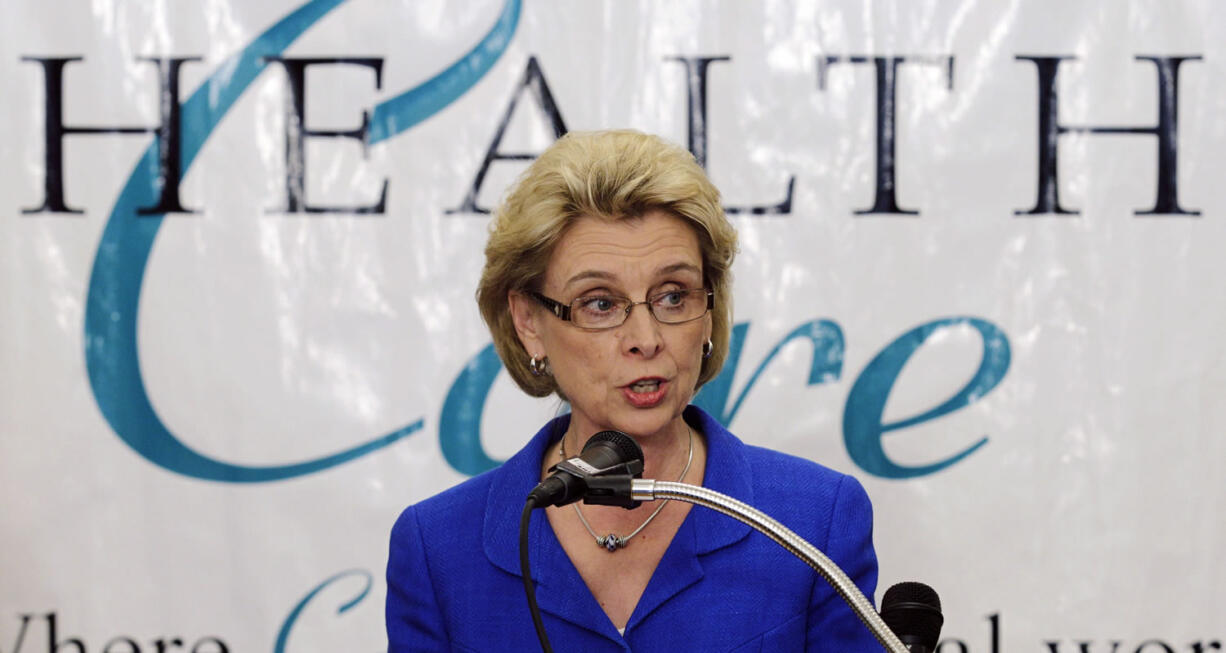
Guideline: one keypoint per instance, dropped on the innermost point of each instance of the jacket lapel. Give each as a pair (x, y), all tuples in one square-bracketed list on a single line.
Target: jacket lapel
[(727, 473), (560, 590), (703, 530)]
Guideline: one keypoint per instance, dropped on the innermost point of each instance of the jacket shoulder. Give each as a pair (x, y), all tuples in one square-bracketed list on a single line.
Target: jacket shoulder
[(799, 490), (464, 501)]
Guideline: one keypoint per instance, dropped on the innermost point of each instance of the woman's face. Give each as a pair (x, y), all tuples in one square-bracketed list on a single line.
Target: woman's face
[(639, 376)]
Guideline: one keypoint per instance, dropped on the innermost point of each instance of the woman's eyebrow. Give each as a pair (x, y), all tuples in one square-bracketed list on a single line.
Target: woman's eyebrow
[(679, 267), (585, 275)]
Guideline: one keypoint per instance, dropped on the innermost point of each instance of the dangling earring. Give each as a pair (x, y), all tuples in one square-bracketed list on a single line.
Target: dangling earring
[(537, 366), (706, 348)]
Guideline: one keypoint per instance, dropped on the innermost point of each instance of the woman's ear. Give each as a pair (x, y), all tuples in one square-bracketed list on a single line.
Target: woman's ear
[(525, 315)]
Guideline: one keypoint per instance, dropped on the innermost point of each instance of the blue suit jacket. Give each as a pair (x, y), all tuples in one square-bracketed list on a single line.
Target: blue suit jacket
[(454, 581)]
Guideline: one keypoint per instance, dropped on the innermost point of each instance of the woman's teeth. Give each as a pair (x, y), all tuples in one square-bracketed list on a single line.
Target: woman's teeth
[(645, 386)]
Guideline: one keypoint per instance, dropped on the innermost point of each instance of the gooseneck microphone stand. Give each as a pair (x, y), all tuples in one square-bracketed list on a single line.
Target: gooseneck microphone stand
[(652, 490)]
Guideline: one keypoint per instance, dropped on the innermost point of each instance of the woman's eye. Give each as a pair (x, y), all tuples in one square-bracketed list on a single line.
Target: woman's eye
[(670, 299), (597, 304)]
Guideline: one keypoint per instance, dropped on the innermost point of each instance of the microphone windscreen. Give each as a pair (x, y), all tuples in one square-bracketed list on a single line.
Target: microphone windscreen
[(913, 611), (617, 448)]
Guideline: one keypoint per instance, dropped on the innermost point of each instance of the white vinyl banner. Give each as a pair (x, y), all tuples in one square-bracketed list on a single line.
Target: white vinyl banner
[(980, 269)]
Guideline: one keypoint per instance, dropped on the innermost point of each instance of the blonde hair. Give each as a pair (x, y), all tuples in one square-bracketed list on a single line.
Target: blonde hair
[(612, 174)]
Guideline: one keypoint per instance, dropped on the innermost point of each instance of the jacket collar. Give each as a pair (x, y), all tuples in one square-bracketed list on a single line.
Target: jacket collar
[(561, 590)]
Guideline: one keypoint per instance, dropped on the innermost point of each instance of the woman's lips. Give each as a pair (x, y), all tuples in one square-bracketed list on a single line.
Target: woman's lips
[(645, 393)]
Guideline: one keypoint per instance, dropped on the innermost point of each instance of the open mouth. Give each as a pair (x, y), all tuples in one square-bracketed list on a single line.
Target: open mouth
[(646, 393), (644, 386)]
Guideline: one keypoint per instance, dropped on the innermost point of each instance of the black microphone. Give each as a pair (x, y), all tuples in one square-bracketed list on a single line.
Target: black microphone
[(608, 453), (913, 611)]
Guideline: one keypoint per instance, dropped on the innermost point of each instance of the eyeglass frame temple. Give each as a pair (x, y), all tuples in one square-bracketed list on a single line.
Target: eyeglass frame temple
[(556, 307)]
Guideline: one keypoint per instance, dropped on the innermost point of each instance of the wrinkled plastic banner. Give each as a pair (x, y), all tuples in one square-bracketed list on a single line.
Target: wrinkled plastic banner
[(980, 269)]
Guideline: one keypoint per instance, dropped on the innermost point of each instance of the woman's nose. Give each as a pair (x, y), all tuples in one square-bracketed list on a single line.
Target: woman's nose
[(641, 332)]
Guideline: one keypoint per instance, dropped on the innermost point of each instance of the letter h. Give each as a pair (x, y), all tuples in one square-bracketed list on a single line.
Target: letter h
[(1050, 129), (168, 134)]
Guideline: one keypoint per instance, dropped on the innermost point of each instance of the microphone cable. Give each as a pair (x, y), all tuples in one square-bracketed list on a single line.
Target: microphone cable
[(525, 569)]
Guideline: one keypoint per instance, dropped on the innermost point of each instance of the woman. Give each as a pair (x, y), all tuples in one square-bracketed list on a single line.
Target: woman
[(607, 283)]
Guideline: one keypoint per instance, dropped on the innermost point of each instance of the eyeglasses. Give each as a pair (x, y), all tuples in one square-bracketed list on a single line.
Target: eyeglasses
[(608, 311)]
